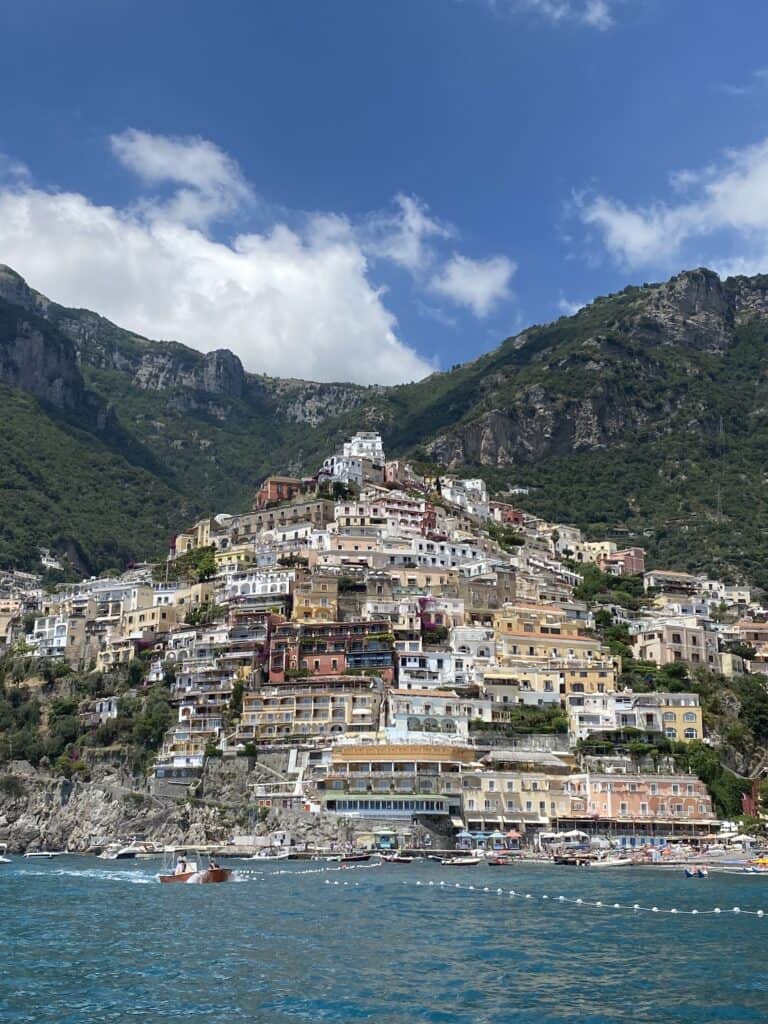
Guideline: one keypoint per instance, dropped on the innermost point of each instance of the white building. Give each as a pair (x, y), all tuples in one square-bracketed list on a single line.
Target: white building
[(425, 669), (474, 651), (414, 712)]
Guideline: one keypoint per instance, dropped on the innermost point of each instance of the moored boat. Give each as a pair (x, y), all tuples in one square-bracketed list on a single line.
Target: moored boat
[(460, 862), (269, 854), (4, 858), (396, 858), (611, 862)]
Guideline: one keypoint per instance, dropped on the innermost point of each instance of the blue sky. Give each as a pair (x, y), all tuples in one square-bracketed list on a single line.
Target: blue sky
[(364, 190)]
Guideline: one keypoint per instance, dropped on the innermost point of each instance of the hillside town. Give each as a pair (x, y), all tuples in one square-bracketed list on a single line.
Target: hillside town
[(401, 650)]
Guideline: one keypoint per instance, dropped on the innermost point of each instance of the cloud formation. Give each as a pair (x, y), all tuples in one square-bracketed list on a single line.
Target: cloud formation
[(721, 217), (480, 285), (596, 14), (294, 299), (404, 234), (212, 184)]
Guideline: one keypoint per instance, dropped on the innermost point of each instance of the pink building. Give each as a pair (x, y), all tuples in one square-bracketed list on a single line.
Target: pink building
[(645, 804)]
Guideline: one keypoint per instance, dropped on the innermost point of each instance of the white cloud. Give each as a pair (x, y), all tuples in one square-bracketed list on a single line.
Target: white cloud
[(293, 299), (725, 210), (756, 83), (568, 308), (477, 284), (596, 14), (12, 170), (404, 234), (213, 185)]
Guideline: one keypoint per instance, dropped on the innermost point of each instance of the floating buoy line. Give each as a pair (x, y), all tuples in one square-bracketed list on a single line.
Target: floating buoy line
[(634, 908), (487, 890), (250, 873)]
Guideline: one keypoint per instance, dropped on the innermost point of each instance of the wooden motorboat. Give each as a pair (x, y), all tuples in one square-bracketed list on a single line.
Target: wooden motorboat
[(189, 871), (500, 862), (202, 877)]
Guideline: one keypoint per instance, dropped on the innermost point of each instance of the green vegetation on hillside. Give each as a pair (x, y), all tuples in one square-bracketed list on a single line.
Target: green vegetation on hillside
[(646, 427)]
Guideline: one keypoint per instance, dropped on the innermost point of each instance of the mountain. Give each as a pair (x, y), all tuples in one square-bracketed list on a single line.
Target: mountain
[(645, 415)]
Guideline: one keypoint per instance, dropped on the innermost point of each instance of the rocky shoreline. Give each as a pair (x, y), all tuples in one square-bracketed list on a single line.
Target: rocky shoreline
[(41, 811)]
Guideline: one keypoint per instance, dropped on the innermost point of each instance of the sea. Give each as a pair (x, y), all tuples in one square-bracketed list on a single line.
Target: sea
[(85, 941)]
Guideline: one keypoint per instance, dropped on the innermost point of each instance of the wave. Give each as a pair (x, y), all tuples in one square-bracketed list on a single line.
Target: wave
[(101, 875)]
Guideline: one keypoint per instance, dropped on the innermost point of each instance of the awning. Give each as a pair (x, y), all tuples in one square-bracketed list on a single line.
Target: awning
[(457, 822)]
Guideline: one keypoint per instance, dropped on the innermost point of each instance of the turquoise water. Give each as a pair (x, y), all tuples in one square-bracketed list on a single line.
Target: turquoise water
[(85, 941)]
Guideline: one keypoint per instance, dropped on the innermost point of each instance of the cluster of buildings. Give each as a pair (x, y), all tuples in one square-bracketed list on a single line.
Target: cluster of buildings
[(367, 636)]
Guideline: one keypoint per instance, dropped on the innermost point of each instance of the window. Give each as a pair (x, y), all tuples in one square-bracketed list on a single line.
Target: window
[(623, 808), (691, 734)]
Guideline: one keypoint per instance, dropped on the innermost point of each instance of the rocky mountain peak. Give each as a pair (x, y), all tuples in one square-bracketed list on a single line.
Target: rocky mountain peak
[(13, 288), (693, 309)]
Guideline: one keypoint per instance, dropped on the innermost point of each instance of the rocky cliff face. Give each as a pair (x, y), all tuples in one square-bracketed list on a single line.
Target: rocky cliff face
[(38, 811), (693, 309), (38, 360)]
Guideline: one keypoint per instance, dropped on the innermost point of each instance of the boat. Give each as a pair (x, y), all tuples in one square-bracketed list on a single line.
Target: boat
[(347, 858), (188, 871), (396, 858), (500, 861), (611, 862), (269, 854), (4, 859), (700, 872), (574, 860), (460, 862), (48, 854)]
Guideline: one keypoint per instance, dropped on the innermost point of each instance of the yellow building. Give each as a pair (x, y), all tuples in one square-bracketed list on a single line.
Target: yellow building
[(589, 676), (317, 707), (235, 558), (315, 596), (681, 716)]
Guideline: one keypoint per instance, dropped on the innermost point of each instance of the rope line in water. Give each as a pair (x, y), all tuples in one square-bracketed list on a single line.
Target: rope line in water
[(579, 901), (252, 873)]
